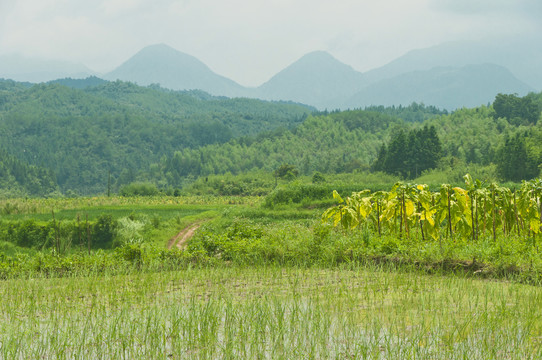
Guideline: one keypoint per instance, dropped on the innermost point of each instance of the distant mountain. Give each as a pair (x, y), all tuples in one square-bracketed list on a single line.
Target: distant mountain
[(522, 56), (445, 87), (23, 69), (172, 69), (433, 75), (429, 76), (316, 79)]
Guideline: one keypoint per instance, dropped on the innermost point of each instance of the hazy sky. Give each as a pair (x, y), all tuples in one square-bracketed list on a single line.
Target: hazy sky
[(250, 40)]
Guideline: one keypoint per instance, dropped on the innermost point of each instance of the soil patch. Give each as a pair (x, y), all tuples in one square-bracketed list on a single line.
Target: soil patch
[(180, 240)]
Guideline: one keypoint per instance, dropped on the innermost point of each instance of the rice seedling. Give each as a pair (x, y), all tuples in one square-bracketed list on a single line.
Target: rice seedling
[(349, 312)]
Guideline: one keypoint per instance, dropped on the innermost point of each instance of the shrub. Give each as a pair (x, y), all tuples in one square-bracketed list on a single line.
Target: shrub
[(103, 231), (318, 178), (128, 232), (139, 189), (30, 234)]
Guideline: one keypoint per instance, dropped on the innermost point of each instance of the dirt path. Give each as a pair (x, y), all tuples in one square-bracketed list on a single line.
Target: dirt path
[(182, 238)]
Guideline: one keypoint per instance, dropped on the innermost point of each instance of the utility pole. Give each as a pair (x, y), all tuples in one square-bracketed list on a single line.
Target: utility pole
[(109, 183)]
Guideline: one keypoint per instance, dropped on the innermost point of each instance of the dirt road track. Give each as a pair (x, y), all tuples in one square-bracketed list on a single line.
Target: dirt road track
[(182, 238)]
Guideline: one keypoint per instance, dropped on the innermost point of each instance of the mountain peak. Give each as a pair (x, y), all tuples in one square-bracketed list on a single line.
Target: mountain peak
[(159, 46), (161, 55), (161, 49), (174, 70), (318, 55), (320, 60), (316, 78)]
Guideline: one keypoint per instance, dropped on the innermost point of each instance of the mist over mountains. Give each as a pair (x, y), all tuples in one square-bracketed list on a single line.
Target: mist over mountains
[(449, 76), (445, 87), (24, 69)]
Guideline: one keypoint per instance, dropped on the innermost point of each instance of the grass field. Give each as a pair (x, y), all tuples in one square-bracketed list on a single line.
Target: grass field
[(69, 208)]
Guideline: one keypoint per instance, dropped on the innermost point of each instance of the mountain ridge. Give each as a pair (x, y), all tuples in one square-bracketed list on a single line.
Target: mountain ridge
[(443, 87), (519, 55), (318, 79)]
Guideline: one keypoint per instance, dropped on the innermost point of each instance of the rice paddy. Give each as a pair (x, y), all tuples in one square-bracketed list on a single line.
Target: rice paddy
[(232, 312)]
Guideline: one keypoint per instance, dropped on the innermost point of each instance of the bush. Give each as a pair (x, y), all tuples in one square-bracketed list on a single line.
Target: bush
[(128, 232), (249, 184), (318, 178), (131, 252), (297, 193), (139, 189), (103, 231), (29, 234)]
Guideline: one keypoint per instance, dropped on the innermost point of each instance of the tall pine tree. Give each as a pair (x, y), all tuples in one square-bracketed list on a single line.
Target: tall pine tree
[(514, 162), (409, 154)]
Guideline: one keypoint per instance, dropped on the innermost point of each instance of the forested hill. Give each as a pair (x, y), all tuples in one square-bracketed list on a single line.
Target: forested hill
[(501, 144), (18, 178), (330, 143), (82, 134), (77, 139)]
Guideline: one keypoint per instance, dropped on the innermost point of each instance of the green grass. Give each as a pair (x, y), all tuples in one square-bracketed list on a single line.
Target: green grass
[(270, 313), (165, 212), (161, 217), (266, 284), (35, 206)]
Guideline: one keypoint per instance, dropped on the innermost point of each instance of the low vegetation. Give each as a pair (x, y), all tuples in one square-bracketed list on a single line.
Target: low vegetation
[(265, 278)]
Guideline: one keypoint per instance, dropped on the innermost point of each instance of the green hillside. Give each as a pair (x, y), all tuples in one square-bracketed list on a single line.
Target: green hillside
[(117, 133), (19, 178), (339, 142), (471, 140), (81, 135)]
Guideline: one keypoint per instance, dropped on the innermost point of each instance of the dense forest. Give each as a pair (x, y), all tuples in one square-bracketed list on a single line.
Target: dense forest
[(83, 134), (78, 136), (410, 154), (348, 141), (19, 178)]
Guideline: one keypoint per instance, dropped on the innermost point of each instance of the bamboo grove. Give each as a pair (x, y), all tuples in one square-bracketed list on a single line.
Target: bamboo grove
[(478, 211)]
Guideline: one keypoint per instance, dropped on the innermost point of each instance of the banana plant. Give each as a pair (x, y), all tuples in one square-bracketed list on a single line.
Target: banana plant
[(499, 206), (362, 205), (506, 210), (378, 199), (476, 192), (484, 209), (464, 213), (530, 205), (444, 208), (461, 213), (390, 211), (404, 205), (343, 213), (426, 212)]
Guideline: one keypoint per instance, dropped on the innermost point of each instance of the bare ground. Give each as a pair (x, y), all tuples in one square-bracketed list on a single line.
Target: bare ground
[(180, 240)]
